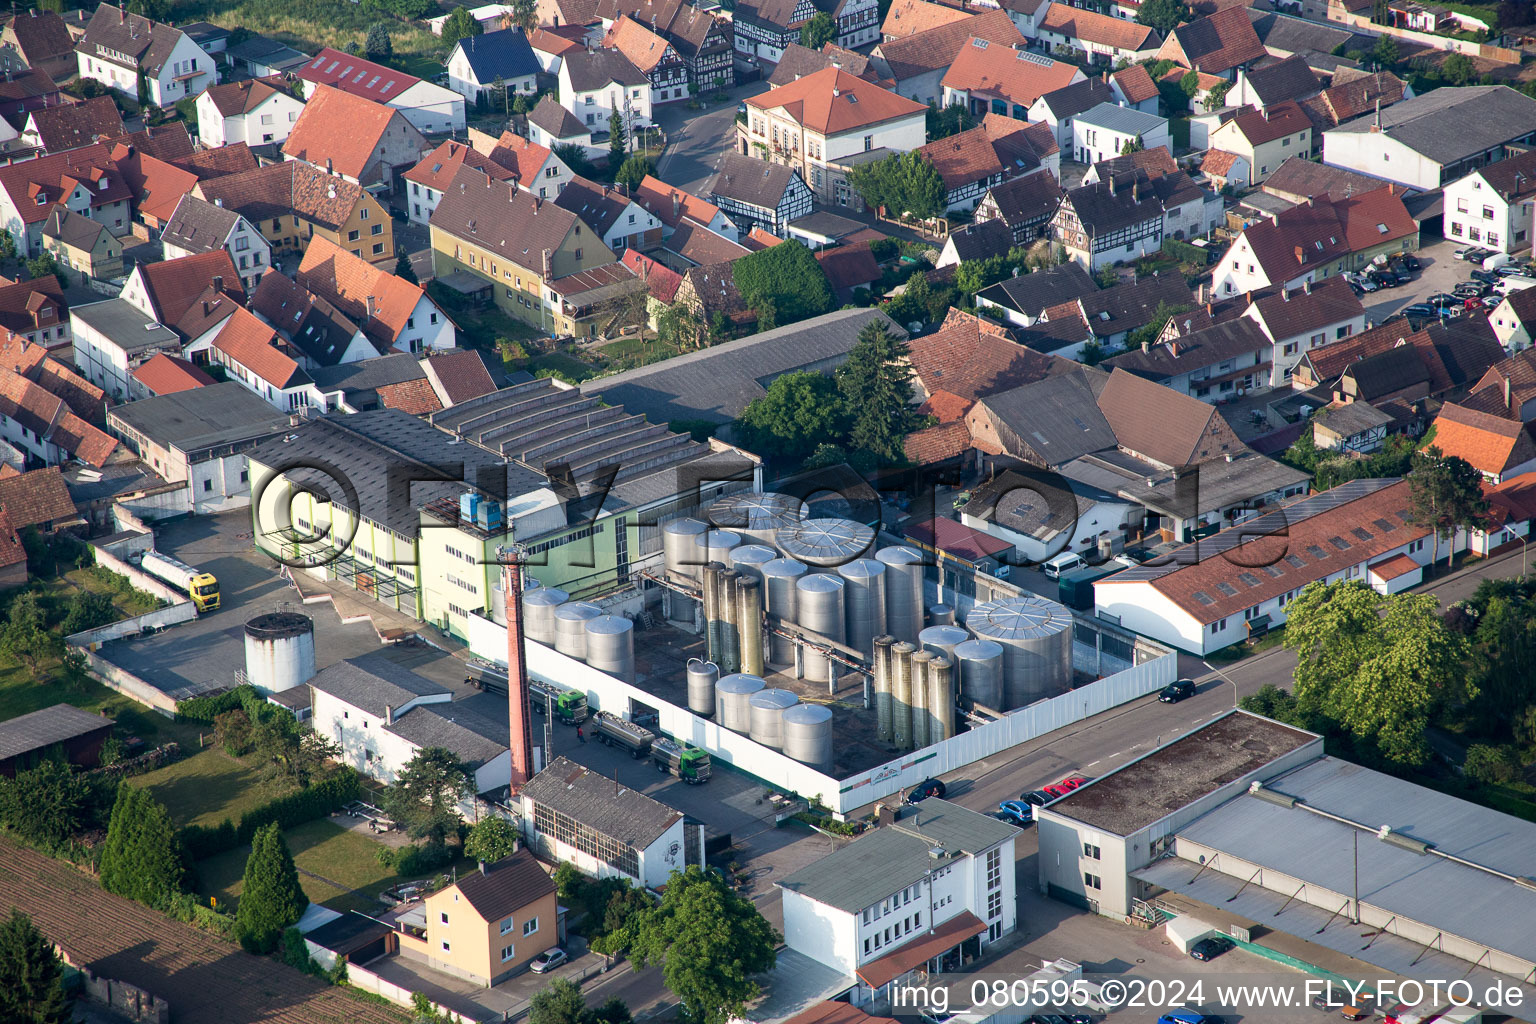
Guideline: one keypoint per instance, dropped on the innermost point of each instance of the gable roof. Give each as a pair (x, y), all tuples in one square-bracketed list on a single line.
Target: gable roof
[(316, 327), (672, 205), (502, 219), (832, 101), (523, 158), (645, 49), (1027, 198), (798, 61), (74, 229), (1217, 343), (41, 36), (1299, 179), (849, 266), (908, 17), (163, 374), (501, 889), (36, 496), (51, 420), (1217, 43), (157, 185), (752, 181), (232, 99), (979, 240), (112, 34), (74, 125), (40, 729), (172, 286), (458, 376), (372, 683), (909, 56), (549, 115), (602, 804), (599, 207), (1345, 101), (1130, 304), (256, 346), (1491, 444), (661, 281), (591, 70), (33, 186), (198, 225), (504, 53), (698, 244), (1324, 229), (354, 75), (1513, 178), (438, 168), (1158, 422), (233, 158), (1098, 28), (1288, 79), (1273, 122), (1288, 313), (1033, 293), (1073, 99), (1020, 76), (1135, 83), (968, 358), (340, 130), (1447, 125), (378, 301), (285, 189)]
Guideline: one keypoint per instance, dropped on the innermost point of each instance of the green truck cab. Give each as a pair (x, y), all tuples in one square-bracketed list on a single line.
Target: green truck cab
[(687, 763), (569, 706)]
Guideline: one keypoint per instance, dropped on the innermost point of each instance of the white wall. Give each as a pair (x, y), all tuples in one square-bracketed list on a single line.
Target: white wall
[(431, 108), (359, 733), (428, 329), (1381, 156), (824, 933)]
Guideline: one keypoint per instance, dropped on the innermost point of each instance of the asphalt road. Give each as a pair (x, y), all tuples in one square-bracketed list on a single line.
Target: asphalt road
[(697, 140)]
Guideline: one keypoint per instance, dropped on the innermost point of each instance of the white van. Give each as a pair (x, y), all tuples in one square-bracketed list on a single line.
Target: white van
[(1496, 261), (1514, 283), (1062, 564)]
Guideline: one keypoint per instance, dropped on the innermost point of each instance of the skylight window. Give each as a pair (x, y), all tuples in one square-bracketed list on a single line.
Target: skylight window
[(1361, 533), (332, 67), (1248, 579), (1227, 588), (1204, 598), (1340, 543), (1296, 561), (1381, 228), (1316, 552)]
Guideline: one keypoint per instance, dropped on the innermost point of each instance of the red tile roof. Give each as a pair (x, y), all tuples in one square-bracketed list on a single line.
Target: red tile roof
[(12, 551), (231, 99), (357, 76), (523, 158), (33, 362), (1322, 230), (1135, 83), (937, 444), (256, 346), (51, 420), (1218, 162), (544, 39), (660, 280), (1394, 567), (218, 163), (39, 496), (166, 375), (458, 376), (413, 396), (967, 358), (836, 1013), (908, 17), (1271, 123), (963, 158), (644, 48), (849, 266), (173, 286), (437, 169), (671, 204), (158, 185), (1215, 44), (1019, 76), (832, 101), (378, 301), (340, 129), (1491, 444), (1097, 28), (78, 124), (946, 405), (762, 238), (33, 186), (1517, 496), (936, 48)]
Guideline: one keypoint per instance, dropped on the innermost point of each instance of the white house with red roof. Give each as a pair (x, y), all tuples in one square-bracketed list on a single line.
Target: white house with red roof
[(255, 111), (433, 109), (394, 313), (84, 181), (362, 140), (428, 180), (252, 353)]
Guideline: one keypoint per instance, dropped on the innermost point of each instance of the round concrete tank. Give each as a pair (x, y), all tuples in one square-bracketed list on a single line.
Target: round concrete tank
[(901, 693), (826, 542), (808, 734), (882, 671), (279, 651), (781, 600), (719, 544), (903, 591), (941, 615), (920, 716), (767, 716), (611, 646), (539, 606), (680, 547), (1036, 635), (758, 517), (820, 610), (702, 677), (749, 559), (941, 699), (942, 639), (733, 700), (571, 627), (864, 601), (980, 663)]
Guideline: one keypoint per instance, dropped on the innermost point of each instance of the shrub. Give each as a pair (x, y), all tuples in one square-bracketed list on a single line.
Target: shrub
[(418, 859), (317, 801)]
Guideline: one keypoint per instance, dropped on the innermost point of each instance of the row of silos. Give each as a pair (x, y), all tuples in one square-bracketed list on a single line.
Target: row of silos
[(775, 718), (1036, 637), (733, 618), (914, 694), (581, 630)]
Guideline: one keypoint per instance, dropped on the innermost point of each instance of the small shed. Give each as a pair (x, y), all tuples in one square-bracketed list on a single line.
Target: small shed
[(64, 729)]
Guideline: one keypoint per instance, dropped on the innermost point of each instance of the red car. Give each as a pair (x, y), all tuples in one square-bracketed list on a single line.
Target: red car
[(1071, 782)]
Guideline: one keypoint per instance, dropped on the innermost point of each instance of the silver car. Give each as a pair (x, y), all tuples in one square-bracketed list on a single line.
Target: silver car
[(547, 960)]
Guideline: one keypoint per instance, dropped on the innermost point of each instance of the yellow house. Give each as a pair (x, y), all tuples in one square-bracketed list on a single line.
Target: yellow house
[(291, 203), (1266, 138), (493, 236), (487, 925), (82, 244)]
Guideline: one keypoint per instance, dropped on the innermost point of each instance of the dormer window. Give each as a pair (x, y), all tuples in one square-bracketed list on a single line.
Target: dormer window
[(101, 183), (42, 199)]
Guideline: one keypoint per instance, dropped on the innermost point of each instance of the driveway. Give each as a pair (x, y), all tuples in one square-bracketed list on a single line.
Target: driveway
[(696, 140), (1441, 272)]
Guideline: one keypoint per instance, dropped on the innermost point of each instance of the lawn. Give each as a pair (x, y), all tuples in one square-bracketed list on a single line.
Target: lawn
[(631, 352), (567, 367), (127, 600), (210, 786), (21, 692), (311, 24), (320, 848)]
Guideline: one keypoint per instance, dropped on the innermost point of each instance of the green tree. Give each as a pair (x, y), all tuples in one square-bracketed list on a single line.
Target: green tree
[(271, 898), (403, 268), (1377, 665), (1149, 332), (1445, 494), (7, 246), (559, 1002), (1190, 85), (1274, 702), (633, 171), (46, 804), (1503, 665), (31, 975), (876, 388), (1217, 97), (1163, 15), (952, 120), (44, 264), (1134, 145), (902, 183), (87, 609), (378, 46), (787, 275), (1458, 69), (524, 15), (143, 88), (1303, 452), (491, 839), (797, 412), (1385, 52), (819, 31), (425, 795), (1491, 765), (460, 25), (232, 731), (709, 942), (574, 156), (616, 139), (26, 634), (142, 857)]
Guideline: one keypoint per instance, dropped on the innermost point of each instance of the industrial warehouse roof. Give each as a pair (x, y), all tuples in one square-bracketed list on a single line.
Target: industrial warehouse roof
[(46, 727), (473, 737), (356, 460), (372, 683), (1448, 125), (602, 804), (199, 418), (892, 857), (1474, 900), (717, 383), (1180, 772)]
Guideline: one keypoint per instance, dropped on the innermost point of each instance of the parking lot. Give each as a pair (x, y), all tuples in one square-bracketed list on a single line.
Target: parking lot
[(1441, 272)]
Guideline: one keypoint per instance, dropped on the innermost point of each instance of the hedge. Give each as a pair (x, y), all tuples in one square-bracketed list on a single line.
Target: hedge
[(1184, 252), (317, 801), (204, 710)]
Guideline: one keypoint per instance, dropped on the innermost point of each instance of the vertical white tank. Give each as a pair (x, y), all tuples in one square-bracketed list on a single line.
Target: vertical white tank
[(781, 599), (539, 606), (901, 694), (611, 646), (718, 544), (702, 677), (767, 716), (920, 716), (571, 627), (279, 651), (864, 600), (826, 542), (903, 591), (808, 734), (680, 547), (757, 516), (1036, 635), (941, 699), (820, 598), (749, 559), (980, 664), (882, 672), (942, 639), (733, 701)]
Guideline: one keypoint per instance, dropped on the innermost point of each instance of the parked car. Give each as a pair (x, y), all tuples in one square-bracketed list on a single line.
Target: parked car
[(1497, 260), (1440, 299), (1418, 309), (1181, 688), (1385, 278), (1072, 782), (1211, 948), (547, 960), (1189, 1017), (1511, 269), (1364, 283), (1409, 261), (925, 789), (1022, 812), (1039, 797), (1475, 288), (1486, 277), (1473, 254), (1473, 302), (1067, 561)]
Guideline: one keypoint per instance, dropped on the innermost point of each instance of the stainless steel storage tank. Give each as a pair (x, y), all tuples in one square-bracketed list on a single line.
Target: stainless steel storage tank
[(710, 588), (903, 591), (980, 665), (781, 599), (539, 606), (920, 715), (941, 699), (749, 559), (767, 716), (808, 734), (942, 639), (719, 544), (864, 601), (749, 623), (941, 615), (279, 651), (611, 646), (702, 677), (882, 672), (826, 542), (1036, 635), (733, 701), (571, 627), (757, 516), (901, 693), (729, 655), (680, 547), (820, 599)]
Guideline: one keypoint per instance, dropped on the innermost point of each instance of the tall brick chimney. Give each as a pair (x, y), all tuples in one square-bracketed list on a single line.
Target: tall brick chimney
[(518, 711)]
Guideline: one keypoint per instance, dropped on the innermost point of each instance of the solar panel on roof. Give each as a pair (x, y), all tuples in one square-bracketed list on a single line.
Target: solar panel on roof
[(1227, 588)]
